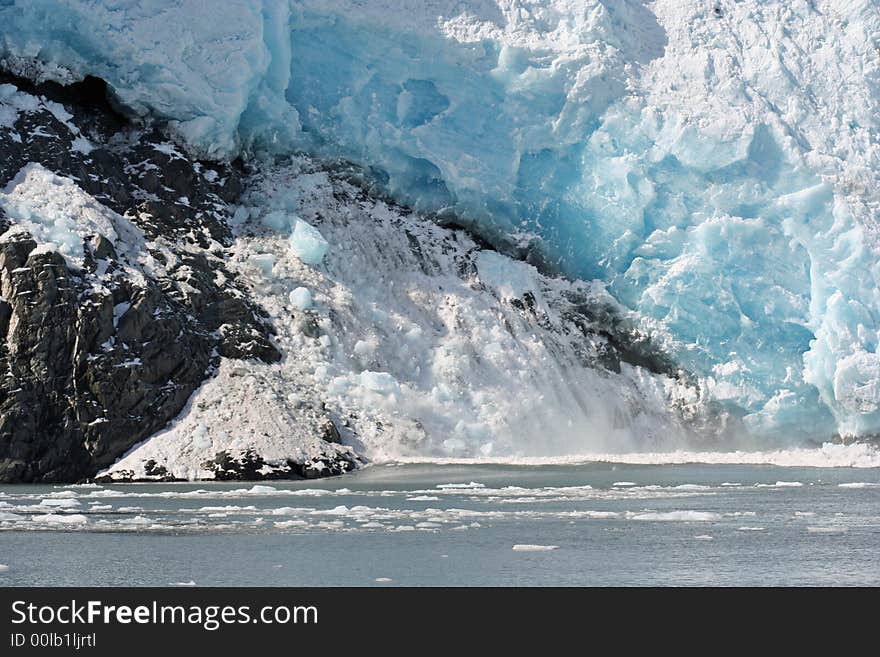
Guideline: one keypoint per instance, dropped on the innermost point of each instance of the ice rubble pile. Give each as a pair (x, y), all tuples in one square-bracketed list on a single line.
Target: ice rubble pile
[(716, 163)]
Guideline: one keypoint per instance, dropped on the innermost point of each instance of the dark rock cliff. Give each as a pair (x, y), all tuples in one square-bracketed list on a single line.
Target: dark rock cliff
[(93, 360)]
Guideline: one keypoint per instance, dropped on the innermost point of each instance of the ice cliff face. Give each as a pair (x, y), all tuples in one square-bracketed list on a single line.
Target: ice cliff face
[(715, 164)]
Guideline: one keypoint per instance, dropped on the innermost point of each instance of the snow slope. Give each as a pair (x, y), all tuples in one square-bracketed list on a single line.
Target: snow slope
[(714, 163)]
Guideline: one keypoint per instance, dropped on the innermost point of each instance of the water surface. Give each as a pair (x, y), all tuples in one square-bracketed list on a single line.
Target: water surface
[(456, 525)]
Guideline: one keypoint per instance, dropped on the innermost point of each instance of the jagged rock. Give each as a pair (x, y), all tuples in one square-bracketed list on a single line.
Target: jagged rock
[(250, 466), (93, 360)]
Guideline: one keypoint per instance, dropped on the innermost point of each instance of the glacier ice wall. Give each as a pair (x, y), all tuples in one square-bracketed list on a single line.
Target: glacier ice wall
[(716, 164)]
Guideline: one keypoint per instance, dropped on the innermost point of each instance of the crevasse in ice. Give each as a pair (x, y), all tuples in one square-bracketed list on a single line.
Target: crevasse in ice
[(716, 164)]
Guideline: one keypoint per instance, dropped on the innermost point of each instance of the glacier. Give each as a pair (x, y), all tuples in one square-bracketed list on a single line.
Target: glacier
[(714, 164)]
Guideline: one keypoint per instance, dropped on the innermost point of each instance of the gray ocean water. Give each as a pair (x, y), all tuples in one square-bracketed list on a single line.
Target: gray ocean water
[(430, 525)]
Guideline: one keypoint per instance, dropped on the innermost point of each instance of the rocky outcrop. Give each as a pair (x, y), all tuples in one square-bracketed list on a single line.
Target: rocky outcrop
[(93, 359)]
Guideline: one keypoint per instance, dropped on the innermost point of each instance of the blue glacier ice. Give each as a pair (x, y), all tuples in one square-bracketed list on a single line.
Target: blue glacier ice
[(715, 164)]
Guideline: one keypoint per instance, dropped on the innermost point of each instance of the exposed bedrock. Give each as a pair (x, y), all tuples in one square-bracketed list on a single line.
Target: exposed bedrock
[(99, 351)]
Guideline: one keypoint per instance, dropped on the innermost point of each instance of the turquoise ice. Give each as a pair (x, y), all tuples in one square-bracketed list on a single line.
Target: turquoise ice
[(715, 165)]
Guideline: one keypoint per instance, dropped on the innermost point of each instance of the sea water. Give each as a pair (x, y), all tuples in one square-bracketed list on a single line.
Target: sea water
[(456, 525)]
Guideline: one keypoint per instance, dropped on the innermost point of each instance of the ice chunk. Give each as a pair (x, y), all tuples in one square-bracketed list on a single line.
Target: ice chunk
[(534, 548), (381, 382), (685, 516), (265, 262), (59, 519), (301, 298), (365, 350), (259, 489), (511, 279), (65, 503), (307, 243)]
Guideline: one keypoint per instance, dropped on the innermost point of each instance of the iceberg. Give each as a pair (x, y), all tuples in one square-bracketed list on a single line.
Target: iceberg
[(715, 165)]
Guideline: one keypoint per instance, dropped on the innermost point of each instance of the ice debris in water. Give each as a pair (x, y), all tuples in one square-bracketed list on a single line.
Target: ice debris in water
[(534, 548)]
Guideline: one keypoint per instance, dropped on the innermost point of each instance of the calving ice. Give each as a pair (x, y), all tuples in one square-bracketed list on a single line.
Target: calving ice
[(439, 229)]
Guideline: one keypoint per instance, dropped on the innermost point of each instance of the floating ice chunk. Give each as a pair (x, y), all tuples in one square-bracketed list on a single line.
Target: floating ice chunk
[(64, 502), (60, 519), (686, 516), (307, 243), (301, 298), (751, 529), (423, 498), (472, 484), (381, 382), (534, 548), (384, 579), (286, 524), (261, 490), (826, 530), (859, 484), (703, 537), (624, 484), (340, 510), (188, 583), (3, 568)]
